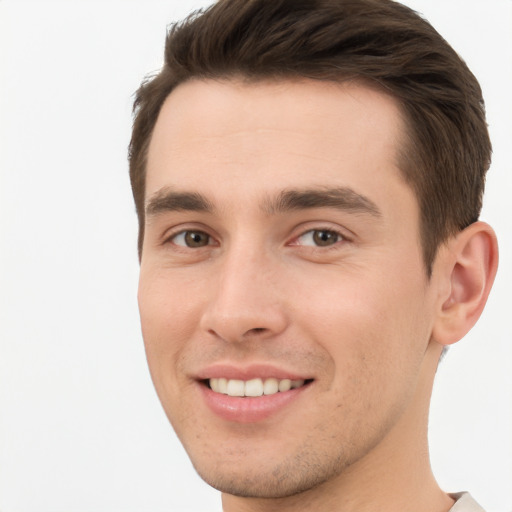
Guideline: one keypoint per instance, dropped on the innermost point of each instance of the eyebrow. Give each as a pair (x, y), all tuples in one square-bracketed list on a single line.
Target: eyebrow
[(168, 200), (341, 198)]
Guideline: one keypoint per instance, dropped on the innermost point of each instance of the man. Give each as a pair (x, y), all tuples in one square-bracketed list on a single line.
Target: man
[(308, 178)]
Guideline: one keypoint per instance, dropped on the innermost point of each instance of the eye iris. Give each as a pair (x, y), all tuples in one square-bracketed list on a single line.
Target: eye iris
[(323, 238), (196, 239)]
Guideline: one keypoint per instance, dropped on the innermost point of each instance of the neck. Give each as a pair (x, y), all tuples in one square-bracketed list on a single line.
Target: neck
[(396, 475)]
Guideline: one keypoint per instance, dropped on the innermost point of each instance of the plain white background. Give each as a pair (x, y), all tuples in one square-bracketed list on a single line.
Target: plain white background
[(81, 429)]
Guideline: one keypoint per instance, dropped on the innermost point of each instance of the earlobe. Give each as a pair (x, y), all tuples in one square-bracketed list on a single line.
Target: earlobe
[(470, 265)]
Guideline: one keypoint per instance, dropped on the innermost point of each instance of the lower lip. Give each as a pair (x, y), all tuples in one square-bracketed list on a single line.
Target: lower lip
[(249, 409)]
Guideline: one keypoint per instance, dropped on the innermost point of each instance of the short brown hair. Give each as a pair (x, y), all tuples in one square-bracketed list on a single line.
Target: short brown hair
[(381, 42)]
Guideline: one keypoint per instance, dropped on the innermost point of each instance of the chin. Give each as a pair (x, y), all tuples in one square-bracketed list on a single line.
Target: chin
[(272, 480)]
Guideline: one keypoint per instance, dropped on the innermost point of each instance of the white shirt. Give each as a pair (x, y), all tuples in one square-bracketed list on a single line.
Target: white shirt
[(465, 503)]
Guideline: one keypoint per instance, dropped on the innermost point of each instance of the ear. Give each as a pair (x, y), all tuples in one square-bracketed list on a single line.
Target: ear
[(468, 265)]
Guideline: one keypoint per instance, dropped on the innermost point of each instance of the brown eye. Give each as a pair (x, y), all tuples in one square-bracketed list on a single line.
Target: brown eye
[(323, 238), (319, 238), (192, 239)]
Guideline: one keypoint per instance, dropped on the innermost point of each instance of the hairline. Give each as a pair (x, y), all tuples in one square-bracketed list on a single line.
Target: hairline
[(404, 145)]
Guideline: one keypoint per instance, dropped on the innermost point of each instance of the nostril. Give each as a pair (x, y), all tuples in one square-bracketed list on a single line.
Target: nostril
[(256, 330)]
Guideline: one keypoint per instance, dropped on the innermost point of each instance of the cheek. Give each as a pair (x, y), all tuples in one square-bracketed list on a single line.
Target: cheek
[(374, 332), (168, 320)]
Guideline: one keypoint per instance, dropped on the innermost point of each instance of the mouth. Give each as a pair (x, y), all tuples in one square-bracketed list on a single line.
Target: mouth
[(254, 387), (251, 393)]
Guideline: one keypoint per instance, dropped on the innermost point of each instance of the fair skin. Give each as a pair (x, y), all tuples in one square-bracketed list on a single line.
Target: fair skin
[(282, 242)]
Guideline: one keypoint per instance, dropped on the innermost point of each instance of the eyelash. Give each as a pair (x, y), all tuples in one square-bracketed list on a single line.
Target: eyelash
[(171, 239), (340, 237)]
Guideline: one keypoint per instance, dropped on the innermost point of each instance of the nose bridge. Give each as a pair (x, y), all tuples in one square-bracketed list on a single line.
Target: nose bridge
[(245, 301)]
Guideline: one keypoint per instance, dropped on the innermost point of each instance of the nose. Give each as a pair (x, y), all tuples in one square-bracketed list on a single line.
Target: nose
[(245, 301)]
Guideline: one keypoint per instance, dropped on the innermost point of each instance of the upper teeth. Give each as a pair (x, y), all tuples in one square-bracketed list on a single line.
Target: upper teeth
[(253, 387)]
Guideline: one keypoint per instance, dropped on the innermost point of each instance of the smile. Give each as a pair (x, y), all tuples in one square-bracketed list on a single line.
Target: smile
[(252, 400), (253, 387)]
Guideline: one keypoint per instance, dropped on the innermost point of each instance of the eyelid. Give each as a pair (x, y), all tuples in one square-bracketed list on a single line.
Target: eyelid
[(183, 234), (170, 234), (345, 234)]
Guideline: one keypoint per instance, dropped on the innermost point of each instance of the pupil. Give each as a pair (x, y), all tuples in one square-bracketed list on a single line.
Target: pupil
[(195, 239), (325, 237)]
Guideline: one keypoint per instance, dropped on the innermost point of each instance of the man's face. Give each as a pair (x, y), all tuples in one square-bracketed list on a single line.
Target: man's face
[(281, 245)]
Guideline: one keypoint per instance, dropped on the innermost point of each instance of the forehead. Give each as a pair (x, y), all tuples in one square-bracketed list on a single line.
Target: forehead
[(232, 139)]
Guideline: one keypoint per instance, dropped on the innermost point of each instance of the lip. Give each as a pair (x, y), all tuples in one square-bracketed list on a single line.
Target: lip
[(248, 409), (253, 371)]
